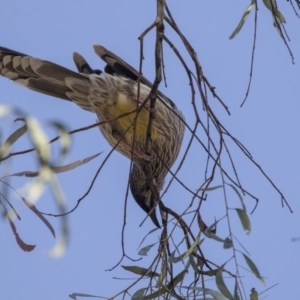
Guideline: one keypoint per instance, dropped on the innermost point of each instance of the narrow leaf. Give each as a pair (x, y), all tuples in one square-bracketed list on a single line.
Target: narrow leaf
[(64, 138), (221, 284), (43, 219), (167, 288), (274, 11), (56, 169), (140, 271), (12, 208), (163, 271), (60, 169), (253, 268), (193, 264), (201, 223), (212, 188), (173, 259), (60, 248), (12, 139), (244, 219), (151, 231), (236, 292), (25, 247), (39, 139), (239, 195), (211, 235), (195, 244), (280, 16), (75, 295), (139, 294), (243, 20), (213, 293), (144, 251)]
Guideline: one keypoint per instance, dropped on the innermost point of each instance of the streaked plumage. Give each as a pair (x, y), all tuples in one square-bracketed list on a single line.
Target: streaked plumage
[(110, 94)]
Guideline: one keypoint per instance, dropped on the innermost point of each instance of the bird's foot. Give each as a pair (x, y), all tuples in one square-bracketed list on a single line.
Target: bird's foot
[(140, 154), (149, 108), (146, 105)]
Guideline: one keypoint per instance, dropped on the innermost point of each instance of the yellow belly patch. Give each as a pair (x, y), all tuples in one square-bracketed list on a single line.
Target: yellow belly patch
[(124, 125)]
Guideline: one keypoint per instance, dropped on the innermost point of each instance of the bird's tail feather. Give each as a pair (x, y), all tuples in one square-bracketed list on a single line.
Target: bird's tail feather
[(37, 74)]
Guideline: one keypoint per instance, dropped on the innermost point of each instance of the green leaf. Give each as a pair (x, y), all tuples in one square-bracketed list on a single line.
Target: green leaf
[(144, 251), (221, 284), (64, 138), (139, 294), (32, 207), (280, 16), (236, 292), (61, 245), (39, 140), (274, 11), (211, 188), (75, 295), (194, 265), (213, 293), (140, 271), (243, 20), (78, 163), (244, 219), (208, 232), (187, 265), (55, 169), (253, 268), (167, 288), (209, 272), (173, 259), (163, 271), (151, 231), (195, 244), (239, 195), (12, 139)]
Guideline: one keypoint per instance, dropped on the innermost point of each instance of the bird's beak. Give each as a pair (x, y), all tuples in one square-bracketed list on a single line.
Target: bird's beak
[(154, 219)]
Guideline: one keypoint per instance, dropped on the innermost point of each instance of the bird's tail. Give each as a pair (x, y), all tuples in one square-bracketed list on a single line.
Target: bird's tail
[(41, 75)]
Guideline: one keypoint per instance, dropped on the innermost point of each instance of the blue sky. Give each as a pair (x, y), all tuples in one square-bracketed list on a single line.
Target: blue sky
[(268, 125)]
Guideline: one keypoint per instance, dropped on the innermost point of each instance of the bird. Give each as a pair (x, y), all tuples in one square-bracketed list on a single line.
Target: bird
[(116, 91)]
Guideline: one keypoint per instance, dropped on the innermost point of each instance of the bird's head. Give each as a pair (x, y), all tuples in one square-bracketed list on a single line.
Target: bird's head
[(142, 193)]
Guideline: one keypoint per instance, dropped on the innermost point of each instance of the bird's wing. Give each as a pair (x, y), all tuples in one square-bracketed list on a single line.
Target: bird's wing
[(117, 66), (49, 78), (36, 74)]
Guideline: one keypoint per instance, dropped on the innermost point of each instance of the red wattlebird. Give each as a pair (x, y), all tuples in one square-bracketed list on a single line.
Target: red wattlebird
[(110, 94)]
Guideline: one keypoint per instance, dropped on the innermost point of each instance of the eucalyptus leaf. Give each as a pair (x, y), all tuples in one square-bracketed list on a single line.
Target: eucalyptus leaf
[(243, 20)]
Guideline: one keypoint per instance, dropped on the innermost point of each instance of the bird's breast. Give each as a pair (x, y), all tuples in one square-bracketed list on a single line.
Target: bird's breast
[(123, 117)]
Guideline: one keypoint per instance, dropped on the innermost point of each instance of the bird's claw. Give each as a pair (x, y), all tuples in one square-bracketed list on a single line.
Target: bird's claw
[(148, 157)]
